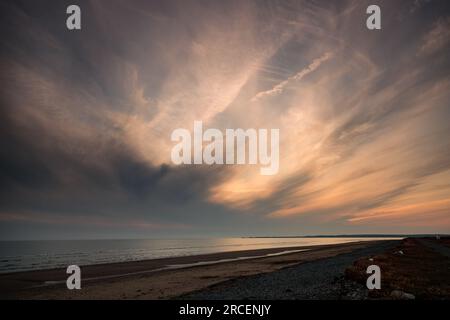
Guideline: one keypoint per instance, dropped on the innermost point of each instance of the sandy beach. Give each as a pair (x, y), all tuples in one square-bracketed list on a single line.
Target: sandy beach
[(412, 268), (170, 278)]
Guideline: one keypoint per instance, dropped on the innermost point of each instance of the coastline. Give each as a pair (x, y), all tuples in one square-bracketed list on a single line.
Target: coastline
[(167, 277)]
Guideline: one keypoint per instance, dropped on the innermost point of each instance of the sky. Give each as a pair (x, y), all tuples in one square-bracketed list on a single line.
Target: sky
[(86, 117)]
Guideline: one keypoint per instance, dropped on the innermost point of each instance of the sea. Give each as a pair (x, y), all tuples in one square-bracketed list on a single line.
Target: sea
[(16, 256)]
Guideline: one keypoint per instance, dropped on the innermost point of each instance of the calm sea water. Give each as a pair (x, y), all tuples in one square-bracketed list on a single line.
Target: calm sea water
[(33, 255)]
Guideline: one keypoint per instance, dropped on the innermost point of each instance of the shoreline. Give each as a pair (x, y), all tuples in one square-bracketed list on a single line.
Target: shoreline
[(414, 268), (155, 279)]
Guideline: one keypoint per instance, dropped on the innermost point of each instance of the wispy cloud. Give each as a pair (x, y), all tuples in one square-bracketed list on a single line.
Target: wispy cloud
[(437, 38), (279, 88), (87, 118), (418, 4)]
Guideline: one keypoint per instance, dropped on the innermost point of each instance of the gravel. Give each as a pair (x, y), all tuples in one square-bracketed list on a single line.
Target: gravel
[(321, 279), (439, 248)]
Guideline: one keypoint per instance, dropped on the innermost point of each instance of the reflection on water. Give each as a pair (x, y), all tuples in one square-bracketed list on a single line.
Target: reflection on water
[(32, 255)]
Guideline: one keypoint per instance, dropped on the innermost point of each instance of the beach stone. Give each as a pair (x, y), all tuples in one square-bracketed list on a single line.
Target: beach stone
[(398, 294), (315, 280)]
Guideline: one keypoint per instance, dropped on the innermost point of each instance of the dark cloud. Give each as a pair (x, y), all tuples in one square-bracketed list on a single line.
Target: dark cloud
[(76, 108)]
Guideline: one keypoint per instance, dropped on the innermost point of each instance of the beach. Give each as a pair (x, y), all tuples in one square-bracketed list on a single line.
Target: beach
[(411, 268), (192, 276)]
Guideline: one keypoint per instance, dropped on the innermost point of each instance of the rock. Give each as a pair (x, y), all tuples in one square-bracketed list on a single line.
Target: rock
[(398, 294)]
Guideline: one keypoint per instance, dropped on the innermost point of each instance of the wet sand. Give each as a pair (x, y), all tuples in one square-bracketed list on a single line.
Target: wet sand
[(169, 277)]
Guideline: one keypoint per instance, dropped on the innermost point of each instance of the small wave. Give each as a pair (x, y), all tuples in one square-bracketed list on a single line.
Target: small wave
[(177, 266)]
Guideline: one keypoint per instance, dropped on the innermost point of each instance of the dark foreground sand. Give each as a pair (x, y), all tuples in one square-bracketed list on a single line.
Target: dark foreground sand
[(152, 280)]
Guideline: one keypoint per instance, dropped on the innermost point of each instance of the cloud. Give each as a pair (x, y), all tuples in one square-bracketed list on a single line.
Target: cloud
[(80, 219), (437, 38), (87, 117), (418, 4), (279, 88)]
